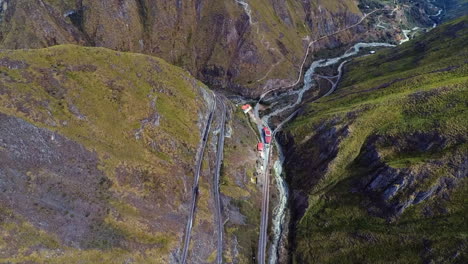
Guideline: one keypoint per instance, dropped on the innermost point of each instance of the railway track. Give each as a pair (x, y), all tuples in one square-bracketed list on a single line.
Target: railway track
[(188, 228), (216, 180)]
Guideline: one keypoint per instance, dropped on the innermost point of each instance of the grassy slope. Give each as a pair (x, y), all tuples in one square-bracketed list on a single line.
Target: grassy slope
[(454, 8), (237, 184), (336, 228), (112, 92)]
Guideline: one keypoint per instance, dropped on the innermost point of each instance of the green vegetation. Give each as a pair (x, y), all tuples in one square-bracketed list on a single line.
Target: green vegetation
[(215, 42), (416, 90), (236, 185), (105, 100), (139, 115)]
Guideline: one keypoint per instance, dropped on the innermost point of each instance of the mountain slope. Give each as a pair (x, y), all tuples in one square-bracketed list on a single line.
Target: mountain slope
[(234, 44), (97, 157), (378, 169), (92, 142)]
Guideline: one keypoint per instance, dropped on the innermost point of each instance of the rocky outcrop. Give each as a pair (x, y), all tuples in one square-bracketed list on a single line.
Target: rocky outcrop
[(307, 161), (97, 160), (35, 24), (392, 190), (242, 46)]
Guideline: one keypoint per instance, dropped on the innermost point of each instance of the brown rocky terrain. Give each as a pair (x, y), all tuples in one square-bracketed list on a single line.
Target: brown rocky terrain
[(237, 45)]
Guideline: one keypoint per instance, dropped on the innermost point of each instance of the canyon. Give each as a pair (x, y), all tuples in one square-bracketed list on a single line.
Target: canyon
[(122, 139)]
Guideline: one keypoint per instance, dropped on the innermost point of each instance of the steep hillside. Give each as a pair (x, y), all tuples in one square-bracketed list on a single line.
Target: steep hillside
[(97, 154), (102, 151), (242, 45), (92, 143), (378, 169), (241, 196), (454, 8)]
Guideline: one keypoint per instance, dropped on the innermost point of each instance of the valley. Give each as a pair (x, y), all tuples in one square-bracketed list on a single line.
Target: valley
[(352, 148)]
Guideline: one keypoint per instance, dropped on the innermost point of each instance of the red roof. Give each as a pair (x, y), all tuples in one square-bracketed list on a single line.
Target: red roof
[(247, 106), (267, 131), (260, 146)]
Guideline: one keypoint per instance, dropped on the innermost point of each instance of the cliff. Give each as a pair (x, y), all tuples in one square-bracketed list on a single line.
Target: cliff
[(378, 169), (242, 46)]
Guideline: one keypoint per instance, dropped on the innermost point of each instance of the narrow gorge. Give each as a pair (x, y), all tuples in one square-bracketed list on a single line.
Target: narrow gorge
[(233, 131)]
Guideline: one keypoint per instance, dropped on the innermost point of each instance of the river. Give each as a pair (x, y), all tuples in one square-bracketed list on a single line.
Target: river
[(280, 210)]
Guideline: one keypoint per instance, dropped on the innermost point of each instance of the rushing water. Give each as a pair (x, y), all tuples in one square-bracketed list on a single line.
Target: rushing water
[(413, 30), (405, 34), (279, 213), (280, 210), (247, 9), (436, 15)]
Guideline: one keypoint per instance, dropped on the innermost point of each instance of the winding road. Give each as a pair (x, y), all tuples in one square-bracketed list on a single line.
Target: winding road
[(263, 240), (261, 122), (264, 121), (266, 44), (338, 78)]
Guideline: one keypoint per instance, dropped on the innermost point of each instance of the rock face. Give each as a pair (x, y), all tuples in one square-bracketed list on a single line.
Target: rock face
[(299, 154), (382, 163), (392, 190), (52, 181), (244, 46), (238, 45), (97, 146)]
